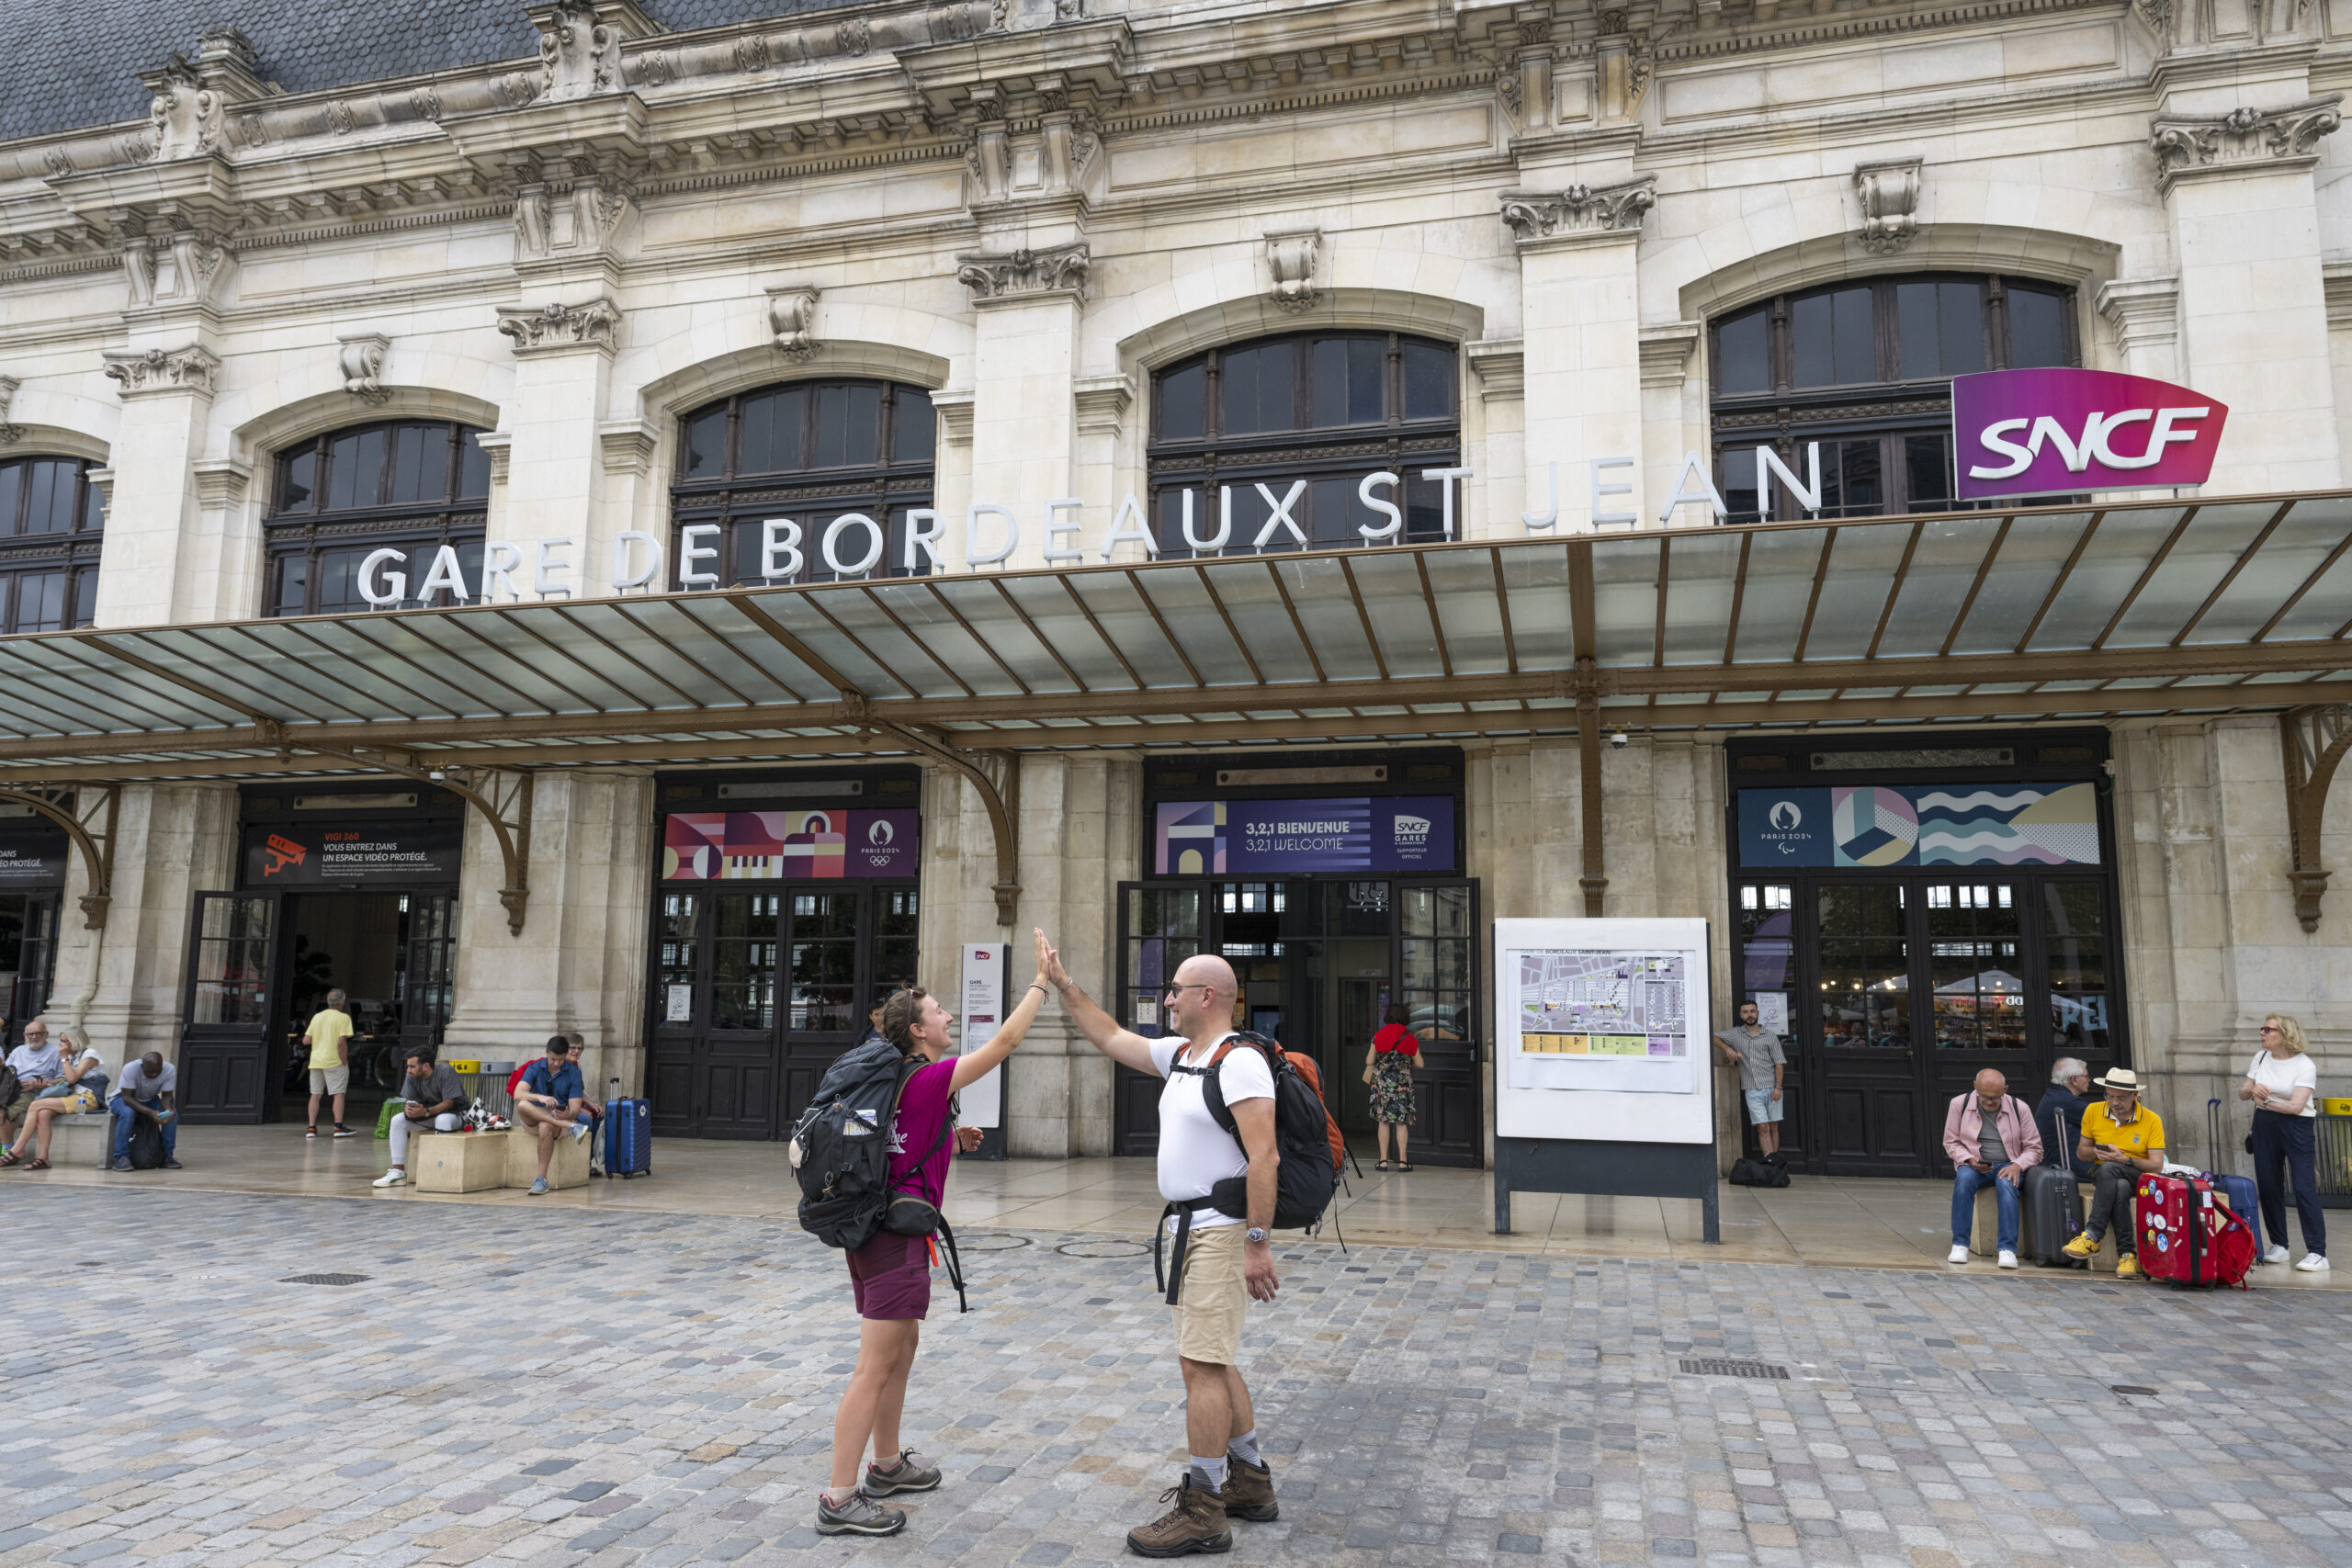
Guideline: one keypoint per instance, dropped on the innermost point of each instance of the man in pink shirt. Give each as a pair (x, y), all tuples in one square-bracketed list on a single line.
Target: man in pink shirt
[(1992, 1141)]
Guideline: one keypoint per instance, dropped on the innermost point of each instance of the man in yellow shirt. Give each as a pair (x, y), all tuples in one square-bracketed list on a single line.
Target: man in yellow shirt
[(328, 1034), (2123, 1140)]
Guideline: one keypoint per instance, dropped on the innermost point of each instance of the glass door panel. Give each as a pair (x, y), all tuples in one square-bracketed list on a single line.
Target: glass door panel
[(1437, 972), (824, 964), (224, 1048), (1975, 966), (896, 912), (1161, 925), (1863, 995), (2074, 952), (743, 961)]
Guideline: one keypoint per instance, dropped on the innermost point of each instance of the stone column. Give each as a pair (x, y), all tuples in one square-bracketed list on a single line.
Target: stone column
[(2237, 183), (147, 574), (556, 455), (1025, 426), (1580, 302)]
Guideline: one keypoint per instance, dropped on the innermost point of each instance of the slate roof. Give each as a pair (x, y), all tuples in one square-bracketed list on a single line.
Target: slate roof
[(73, 64)]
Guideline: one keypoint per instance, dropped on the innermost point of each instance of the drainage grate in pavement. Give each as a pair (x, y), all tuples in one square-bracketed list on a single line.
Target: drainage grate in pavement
[(1716, 1366), (323, 1280), (1109, 1246), (2131, 1388)]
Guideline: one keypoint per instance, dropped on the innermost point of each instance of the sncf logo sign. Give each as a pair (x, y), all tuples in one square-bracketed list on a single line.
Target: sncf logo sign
[(2062, 432)]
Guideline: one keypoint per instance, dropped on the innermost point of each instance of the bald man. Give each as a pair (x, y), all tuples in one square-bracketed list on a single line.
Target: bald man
[(1223, 1260), (1992, 1141)]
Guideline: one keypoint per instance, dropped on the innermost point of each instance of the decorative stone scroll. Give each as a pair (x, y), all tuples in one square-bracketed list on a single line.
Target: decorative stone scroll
[(1579, 211), (2188, 146), (189, 370), (1292, 259), (1025, 274), (360, 358), (9, 433), (559, 328), (1890, 198), (792, 317)]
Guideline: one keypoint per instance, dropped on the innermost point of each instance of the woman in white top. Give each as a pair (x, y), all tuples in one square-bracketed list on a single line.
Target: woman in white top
[(2283, 1084)]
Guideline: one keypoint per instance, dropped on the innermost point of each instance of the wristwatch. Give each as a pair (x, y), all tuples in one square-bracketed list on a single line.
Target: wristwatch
[(1253, 1235)]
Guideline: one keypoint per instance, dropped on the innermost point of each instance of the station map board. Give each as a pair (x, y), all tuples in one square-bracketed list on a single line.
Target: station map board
[(1604, 1028)]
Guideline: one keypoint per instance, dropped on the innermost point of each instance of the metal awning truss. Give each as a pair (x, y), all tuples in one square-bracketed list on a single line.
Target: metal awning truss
[(2072, 611)]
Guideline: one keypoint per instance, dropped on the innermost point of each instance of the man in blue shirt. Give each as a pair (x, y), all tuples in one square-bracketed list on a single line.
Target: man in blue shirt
[(552, 1101)]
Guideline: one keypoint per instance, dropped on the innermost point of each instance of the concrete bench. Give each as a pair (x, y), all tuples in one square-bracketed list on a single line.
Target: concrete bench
[(84, 1139), (476, 1162), (566, 1166)]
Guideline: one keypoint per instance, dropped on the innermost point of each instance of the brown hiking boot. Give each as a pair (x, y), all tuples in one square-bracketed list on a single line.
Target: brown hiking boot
[(1249, 1492), (1195, 1523)]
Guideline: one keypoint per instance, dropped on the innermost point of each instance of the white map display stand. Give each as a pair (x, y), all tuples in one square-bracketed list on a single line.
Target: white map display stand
[(1601, 1085)]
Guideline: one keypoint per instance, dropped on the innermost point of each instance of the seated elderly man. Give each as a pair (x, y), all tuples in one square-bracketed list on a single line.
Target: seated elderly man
[(37, 1064), (2060, 1113), (431, 1097), (2121, 1141), (1992, 1141), (552, 1101)]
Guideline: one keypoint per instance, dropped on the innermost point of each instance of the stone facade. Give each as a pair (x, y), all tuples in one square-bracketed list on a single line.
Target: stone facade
[(1027, 209)]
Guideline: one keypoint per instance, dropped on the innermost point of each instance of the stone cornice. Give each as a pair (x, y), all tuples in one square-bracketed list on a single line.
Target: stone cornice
[(2142, 310), (558, 327), (1579, 214), (141, 373), (2245, 140), (1022, 275)]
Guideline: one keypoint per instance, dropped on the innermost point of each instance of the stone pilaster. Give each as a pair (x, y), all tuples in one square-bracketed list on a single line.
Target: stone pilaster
[(556, 455), (1025, 416)]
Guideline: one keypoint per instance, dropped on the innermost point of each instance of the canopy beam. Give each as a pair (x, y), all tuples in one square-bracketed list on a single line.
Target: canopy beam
[(96, 844), (2315, 741), (503, 801)]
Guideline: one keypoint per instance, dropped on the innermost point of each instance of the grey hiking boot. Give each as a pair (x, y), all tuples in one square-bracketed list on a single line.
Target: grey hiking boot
[(1249, 1492), (904, 1475), (858, 1514), (1195, 1523)]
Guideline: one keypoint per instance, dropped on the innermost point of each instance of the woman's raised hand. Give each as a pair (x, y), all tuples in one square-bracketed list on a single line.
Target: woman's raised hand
[(1050, 973)]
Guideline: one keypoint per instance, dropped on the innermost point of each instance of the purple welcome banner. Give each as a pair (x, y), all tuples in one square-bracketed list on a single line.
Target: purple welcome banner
[(2063, 432)]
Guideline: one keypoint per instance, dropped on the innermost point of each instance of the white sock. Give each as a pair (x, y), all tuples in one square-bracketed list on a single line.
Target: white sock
[(1245, 1448), (1209, 1472)]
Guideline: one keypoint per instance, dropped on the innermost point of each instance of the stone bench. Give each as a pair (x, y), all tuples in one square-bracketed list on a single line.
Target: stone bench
[(476, 1162), (83, 1139)]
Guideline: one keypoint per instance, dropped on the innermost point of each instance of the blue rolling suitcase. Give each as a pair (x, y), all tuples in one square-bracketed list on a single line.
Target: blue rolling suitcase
[(2238, 1191), (628, 1138)]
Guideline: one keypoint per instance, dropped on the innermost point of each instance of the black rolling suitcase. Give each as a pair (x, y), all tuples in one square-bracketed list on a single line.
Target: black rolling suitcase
[(2052, 1207)]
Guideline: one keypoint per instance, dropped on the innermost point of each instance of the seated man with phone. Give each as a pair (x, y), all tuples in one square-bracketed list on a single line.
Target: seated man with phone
[(433, 1098)]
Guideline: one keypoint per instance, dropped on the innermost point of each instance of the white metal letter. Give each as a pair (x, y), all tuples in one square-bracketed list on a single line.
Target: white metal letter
[(1140, 533), (1600, 518), (499, 560), (780, 537), (1396, 524), (691, 549), (443, 576), (543, 582), (1995, 437), (1280, 516), (925, 540), (1768, 463), (396, 582), (623, 580), (1541, 523), (864, 563), (1445, 478), (972, 515), (1224, 522), (1055, 529), (1683, 495)]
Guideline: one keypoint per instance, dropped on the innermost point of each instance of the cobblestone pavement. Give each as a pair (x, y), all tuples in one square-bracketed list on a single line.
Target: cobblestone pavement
[(574, 1388)]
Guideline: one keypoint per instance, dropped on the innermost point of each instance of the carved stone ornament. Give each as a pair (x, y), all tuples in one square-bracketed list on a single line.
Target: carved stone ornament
[(559, 328), (1579, 211), (1292, 259), (185, 114), (1025, 274), (792, 317), (361, 360), (137, 373), (2190, 145), (579, 56), (9, 433), (1890, 198)]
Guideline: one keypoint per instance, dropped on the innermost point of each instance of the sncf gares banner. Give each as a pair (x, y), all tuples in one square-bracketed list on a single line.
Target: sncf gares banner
[(1407, 833), (2058, 431)]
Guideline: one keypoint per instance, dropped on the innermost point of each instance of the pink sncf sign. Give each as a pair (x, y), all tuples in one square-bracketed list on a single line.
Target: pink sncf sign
[(2063, 432)]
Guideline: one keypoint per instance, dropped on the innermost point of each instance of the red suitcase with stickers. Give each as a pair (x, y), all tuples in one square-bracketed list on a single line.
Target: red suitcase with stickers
[(2190, 1235)]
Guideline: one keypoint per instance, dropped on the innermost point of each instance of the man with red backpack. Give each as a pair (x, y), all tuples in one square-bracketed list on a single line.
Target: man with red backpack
[(1223, 1260)]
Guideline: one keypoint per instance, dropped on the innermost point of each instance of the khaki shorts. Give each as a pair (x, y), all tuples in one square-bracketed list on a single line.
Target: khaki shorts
[(1213, 1300), (331, 1080), (19, 1106)]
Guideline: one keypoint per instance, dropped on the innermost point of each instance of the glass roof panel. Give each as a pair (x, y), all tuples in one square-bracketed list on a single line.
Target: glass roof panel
[(864, 619), (1701, 568), (2127, 540), (1320, 597), (2311, 530), (1535, 576), (438, 649), (1463, 583), (1059, 620), (1861, 574), (2031, 554), (974, 597), (914, 602), (1246, 591), (2323, 611), (1950, 550), (1779, 582), (313, 667), (74, 685), (514, 643), (2216, 536), (1183, 602), (1393, 598), (1115, 604), (794, 614), (664, 678), (1624, 599)]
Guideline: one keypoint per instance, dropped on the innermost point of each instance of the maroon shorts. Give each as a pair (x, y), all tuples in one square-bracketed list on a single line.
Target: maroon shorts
[(891, 1276)]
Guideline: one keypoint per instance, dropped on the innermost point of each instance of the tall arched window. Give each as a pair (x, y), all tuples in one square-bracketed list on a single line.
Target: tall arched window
[(1865, 368), (1322, 409), (809, 453), (408, 485), (51, 516)]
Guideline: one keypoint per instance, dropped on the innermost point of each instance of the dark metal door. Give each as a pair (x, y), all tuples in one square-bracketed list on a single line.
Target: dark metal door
[(36, 944), (224, 1068), (1437, 972), (1161, 925), (1865, 1029), (428, 959)]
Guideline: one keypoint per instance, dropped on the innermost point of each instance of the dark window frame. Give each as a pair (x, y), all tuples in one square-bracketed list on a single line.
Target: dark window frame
[(1340, 452), (1885, 413), (69, 554), (813, 497), (308, 533)]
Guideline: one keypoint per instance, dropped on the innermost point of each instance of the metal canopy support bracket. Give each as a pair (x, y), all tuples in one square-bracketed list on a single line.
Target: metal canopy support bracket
[(1584, 684), (504, 798), (2315, 741), (96, 843)]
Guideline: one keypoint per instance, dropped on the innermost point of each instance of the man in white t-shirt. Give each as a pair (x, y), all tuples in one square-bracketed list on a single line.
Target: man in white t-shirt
[(1224, 1259)]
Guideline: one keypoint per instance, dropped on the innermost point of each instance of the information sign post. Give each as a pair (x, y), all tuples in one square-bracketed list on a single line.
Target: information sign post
[(983, 1013), (1602, 1078)]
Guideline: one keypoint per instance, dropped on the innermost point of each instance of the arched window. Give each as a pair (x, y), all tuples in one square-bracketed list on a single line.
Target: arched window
[(407, 485), (1865, 370), (1319, 409), (51, 516), (809, 453)]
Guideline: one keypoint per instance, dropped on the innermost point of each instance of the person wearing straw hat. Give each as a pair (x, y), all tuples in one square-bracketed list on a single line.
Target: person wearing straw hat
[(2123, 1141)]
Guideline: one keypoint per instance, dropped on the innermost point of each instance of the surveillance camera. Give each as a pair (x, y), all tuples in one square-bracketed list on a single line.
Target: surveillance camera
[(1617, 740)]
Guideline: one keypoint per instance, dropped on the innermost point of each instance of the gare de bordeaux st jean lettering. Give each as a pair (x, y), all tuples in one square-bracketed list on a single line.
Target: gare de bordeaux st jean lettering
[(2018, 433)]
